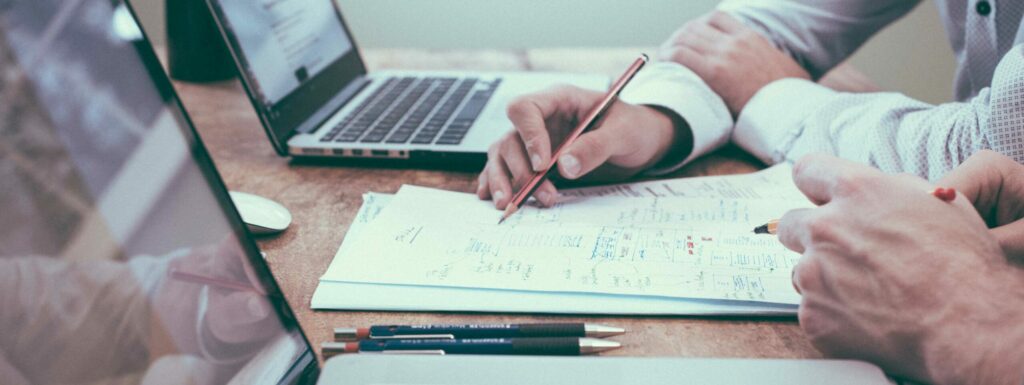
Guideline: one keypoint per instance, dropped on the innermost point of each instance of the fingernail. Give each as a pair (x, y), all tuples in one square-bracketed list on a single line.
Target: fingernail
[(479, 187), (535, 159), (570, 165), (498, 196)]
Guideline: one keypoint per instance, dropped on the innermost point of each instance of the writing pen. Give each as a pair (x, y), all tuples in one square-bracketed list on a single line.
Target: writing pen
[(557, 346), (477, 331), (592, 118), (944, 194)]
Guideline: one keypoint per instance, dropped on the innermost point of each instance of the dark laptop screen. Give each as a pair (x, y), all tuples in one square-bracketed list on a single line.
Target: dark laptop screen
[(122, 260), (294, 57)]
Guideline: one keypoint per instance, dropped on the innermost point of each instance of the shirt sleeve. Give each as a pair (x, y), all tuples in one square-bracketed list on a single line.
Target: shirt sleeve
[(675, 88), (818, 35), (790, 118)]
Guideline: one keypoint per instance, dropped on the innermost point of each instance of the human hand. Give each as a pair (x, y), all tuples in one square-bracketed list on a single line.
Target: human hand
[(994, 184), (897, 277), (734, 60), (233, 317), (629, 139)]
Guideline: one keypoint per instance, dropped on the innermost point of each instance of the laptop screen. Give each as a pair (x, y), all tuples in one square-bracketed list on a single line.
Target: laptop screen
[(285, 42), (122, 260), (294, 57)]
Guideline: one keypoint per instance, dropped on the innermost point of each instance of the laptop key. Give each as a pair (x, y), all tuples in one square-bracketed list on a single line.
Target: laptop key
[(448, 141), (399, 138)]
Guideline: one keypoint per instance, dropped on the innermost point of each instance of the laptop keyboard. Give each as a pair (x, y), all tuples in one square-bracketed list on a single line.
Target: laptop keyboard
[(438, 110)]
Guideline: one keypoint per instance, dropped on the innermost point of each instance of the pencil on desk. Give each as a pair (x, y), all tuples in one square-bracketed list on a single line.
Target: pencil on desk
[(586, 124), (767, 228)]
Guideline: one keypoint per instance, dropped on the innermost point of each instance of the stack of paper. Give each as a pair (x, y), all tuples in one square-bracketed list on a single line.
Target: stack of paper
[(680, 246)]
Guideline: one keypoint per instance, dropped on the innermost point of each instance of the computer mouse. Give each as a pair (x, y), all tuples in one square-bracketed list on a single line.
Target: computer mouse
[(261, 215)]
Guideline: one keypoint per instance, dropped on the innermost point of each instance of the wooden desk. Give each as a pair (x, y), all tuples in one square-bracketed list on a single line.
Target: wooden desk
[(324, 199)]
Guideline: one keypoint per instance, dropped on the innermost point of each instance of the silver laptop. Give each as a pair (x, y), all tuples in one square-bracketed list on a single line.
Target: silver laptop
[(310, 86), (368, 369)]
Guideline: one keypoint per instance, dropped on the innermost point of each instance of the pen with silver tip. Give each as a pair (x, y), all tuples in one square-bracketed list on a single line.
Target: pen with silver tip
[(477, 331), (557, 346)]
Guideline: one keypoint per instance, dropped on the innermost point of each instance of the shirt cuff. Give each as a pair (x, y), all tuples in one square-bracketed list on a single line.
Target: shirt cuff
[(675, 88), (773, 119)]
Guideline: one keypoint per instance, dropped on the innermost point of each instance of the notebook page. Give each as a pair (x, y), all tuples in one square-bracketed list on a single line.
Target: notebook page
[(683, 248)]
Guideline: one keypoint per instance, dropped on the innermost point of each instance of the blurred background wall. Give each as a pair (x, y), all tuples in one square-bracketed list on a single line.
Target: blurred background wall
[(911, 56)]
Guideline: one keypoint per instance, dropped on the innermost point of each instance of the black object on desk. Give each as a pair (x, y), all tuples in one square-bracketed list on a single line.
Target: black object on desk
[(559, 346), (195, 49), (477, 331)]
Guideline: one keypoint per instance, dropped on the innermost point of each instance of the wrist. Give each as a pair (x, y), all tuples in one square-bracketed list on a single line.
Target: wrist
[(673, 136)]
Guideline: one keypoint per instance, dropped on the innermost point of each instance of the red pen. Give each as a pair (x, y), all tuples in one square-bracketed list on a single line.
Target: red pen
[(586, 124)]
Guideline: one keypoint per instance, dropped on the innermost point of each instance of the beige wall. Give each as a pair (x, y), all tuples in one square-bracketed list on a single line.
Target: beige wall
[(912, 56)]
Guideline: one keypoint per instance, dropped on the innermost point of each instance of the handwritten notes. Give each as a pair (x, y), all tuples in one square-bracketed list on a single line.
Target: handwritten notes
[(771, 183), (700, 247)]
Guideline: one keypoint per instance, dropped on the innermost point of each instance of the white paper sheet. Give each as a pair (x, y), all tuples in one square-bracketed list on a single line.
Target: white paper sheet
[(332, 295), (750, 274), (668, 247)]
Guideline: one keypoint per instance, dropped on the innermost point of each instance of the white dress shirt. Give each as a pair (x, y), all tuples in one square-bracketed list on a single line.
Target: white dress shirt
[(790, 118)]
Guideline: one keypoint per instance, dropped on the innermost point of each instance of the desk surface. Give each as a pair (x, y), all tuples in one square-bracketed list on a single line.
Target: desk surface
[(324, 199)]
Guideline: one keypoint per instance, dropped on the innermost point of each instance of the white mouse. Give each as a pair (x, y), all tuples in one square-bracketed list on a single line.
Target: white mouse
[(262, 216)]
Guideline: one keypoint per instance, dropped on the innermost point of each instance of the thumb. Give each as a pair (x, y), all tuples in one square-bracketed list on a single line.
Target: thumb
[(588, 152)]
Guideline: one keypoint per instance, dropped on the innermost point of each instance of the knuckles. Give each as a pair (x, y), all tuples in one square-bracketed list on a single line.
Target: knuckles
[(520, 106), (821, 229), (854, 184), (807, 274), (815, 324)]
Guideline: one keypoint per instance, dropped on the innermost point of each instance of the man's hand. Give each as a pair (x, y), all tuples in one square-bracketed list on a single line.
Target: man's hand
[(897, 277), (235, 320), (629, 139), (994, 184), (735, 61)]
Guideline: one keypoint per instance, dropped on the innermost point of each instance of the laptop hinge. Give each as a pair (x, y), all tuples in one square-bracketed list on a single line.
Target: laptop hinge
[(333, 106)]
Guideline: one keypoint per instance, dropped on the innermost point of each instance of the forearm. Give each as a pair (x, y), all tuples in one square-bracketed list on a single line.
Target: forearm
[(817, 37), (791, 118)]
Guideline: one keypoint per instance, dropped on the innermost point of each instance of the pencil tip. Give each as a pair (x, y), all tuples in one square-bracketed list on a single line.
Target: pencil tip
[(762, 229)]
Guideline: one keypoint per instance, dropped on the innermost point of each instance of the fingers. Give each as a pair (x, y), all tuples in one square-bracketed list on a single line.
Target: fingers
[(703, 39), (981, 179), (821, 177), (529, 115), (514, 155), (498, 183), (507, 171), (792, 229), (688, 57), (726, 23), (588, 152), (482, 190)]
